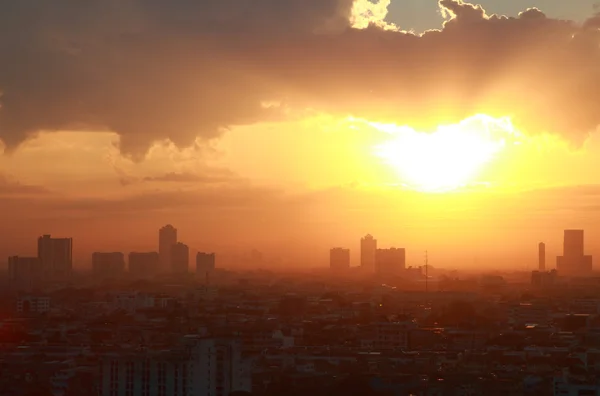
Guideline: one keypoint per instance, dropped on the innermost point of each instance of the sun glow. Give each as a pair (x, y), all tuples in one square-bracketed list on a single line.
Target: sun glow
[(448, 158)]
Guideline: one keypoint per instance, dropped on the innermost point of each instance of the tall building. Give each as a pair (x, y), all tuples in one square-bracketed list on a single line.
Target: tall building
[(339, 259), (167, 238), (143, 265), (205, 262), (368, 249), (108, 265), (180, 258), (542, 256), (56, 256), (201, 366), (24, 273), (390, 261), (574, 262)]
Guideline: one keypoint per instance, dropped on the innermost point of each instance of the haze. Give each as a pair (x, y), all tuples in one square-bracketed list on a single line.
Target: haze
[(466, 130)]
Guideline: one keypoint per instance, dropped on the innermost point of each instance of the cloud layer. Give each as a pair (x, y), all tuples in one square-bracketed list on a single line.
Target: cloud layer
[(153, 70)]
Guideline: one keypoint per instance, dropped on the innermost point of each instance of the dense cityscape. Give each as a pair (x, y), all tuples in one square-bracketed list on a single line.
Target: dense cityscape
[(154, 328)]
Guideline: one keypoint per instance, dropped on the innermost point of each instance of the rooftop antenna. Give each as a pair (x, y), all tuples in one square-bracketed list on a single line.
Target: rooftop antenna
[(426, 271)]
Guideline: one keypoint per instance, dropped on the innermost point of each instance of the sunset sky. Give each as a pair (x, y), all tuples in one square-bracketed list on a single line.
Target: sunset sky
[(294, 126)]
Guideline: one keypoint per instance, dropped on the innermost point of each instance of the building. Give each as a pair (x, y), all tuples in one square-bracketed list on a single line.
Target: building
[(205, 263), (143, 265), (167, 238), (108, 265), (542, 256), (33, 304), (56, 256), (200, 366), (543, 278), (390, 261), (574, 262), (339, 259), (24, 273), (180, 258), (368, 249)]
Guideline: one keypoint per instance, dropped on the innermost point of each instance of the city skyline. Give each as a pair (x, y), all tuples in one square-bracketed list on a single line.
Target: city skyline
[(450, 158)]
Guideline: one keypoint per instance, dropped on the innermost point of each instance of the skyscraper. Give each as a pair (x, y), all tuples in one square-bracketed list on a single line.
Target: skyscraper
[(143, 265), (180, 258), (108, 265), (368, 249), (542, 256), (167, 238), (573, 262), (339, 259), (390, 261), (205, 262), (24, 273), (56, 256)]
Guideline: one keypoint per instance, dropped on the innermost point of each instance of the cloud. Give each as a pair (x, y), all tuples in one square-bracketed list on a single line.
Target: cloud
[(151, 70), (11, 188), (215, 176)]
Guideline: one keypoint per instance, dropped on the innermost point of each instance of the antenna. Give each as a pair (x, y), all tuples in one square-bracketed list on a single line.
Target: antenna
[(426, 271)]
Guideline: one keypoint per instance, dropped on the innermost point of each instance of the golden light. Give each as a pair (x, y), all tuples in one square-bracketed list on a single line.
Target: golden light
[(448, 158)]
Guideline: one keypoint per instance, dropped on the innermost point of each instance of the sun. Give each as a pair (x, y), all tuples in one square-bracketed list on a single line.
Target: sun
[(448, 158)]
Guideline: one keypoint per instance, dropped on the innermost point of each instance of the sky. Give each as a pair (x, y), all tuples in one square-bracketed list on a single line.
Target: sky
[(467, 130)]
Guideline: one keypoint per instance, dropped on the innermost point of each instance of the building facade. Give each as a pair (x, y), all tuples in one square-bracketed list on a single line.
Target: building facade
[(574, 262), (368, 249), (180, 258), (205, 262), (390, 261), (199, 367), (24, 273), (56, 256), (167, 238)]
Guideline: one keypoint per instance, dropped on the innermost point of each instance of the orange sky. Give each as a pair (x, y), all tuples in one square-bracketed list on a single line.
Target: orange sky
[(312, 160)]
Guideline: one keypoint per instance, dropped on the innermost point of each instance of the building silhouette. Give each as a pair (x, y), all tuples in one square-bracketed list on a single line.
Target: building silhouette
[(339, 259), (574, 262), (108, 265), (368, 249), (56, 256), (143, 265), (24, 273), (542, 256), (167, 238), (390, 261), (180, 258), (205, 262)]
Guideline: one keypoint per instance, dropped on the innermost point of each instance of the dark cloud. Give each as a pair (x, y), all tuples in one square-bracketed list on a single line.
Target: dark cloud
[(150, 69)]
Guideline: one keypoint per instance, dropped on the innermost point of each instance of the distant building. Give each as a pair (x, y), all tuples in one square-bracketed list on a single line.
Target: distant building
[(202, 366), (143, 265), (56, 256), (167, 238), (390, 261), (108, 265), (542, 256), (368, 249), (543, 278), (574, 262), (24, 273), (33, 304), (205, 262), (339, 259), (180, 258)]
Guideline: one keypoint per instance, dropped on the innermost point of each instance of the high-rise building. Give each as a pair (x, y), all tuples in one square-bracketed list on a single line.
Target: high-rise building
[(108, 265), (339, 259), (542, 256), (167, 238), (390, 261), (205, 262), (574, 262), (56, 256), (180, 258), (24, 273), (143, 265), (200, 366), (368, 249)]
